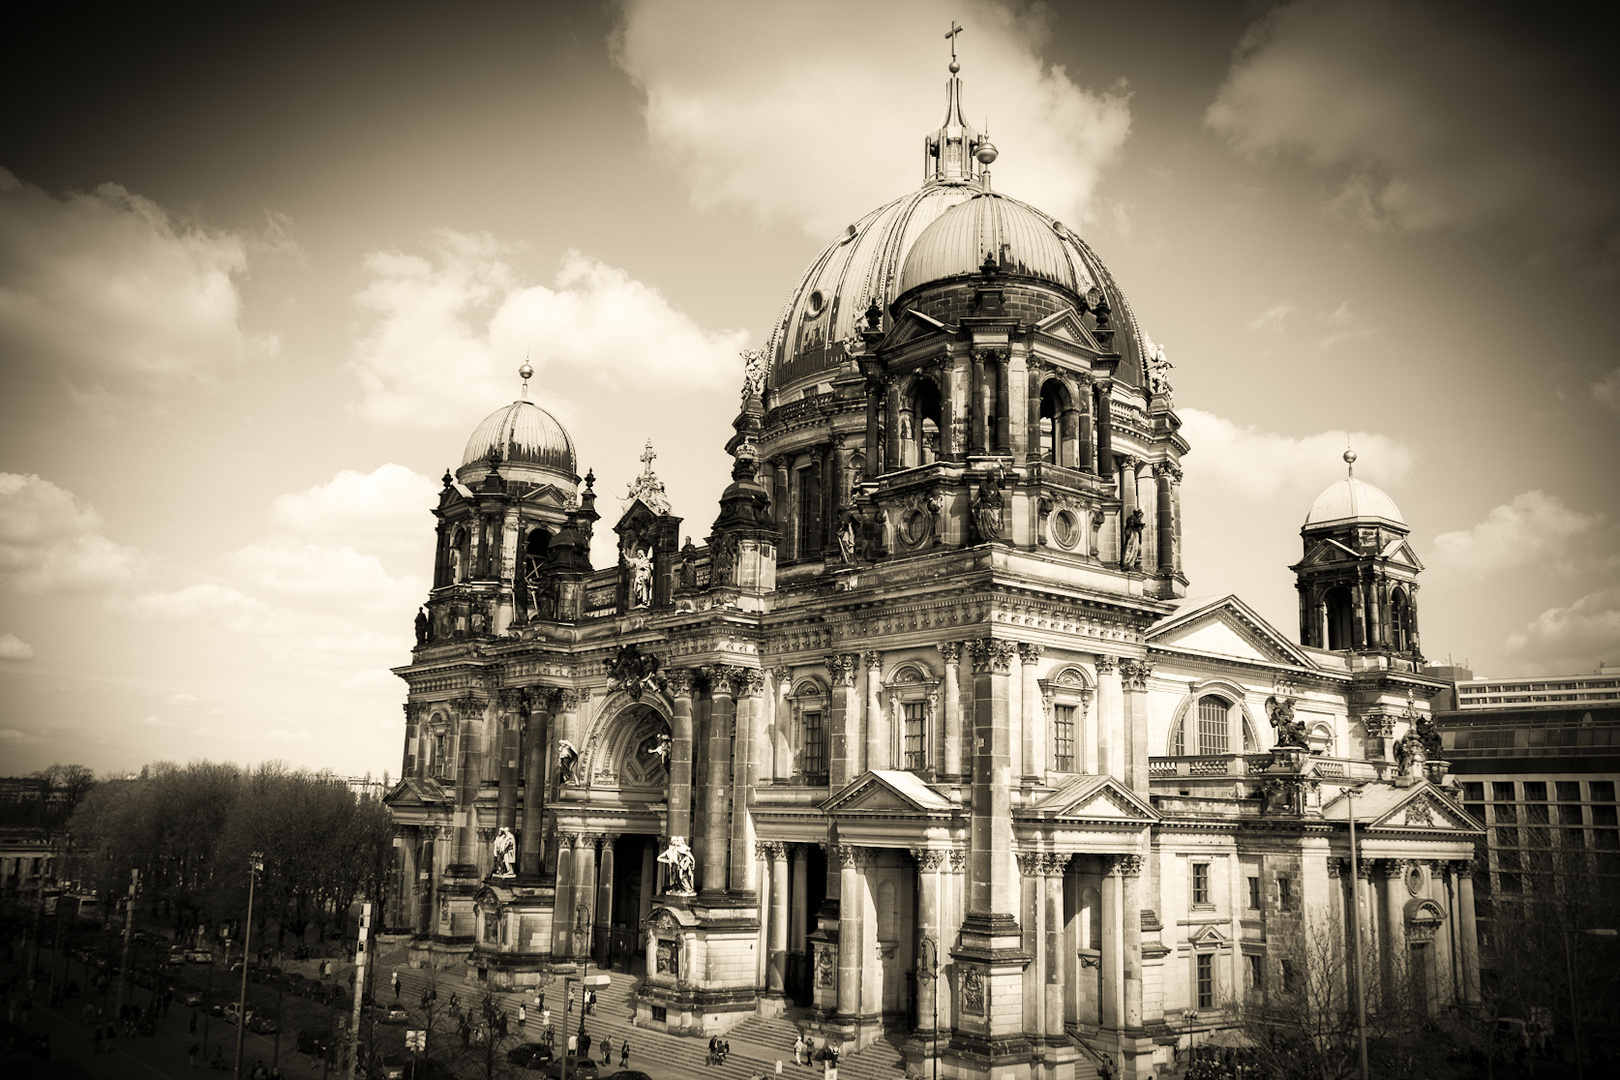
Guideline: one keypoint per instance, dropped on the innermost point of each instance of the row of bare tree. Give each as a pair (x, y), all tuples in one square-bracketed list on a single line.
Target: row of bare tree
[(189, 830)]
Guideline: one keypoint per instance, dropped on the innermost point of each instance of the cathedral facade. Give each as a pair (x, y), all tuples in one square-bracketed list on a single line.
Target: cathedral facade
[(926, 736)]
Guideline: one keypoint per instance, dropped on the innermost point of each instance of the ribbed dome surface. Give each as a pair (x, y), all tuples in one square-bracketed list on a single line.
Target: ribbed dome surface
[(522, 433), (1021, 239), (1353, 500), (861, 265)]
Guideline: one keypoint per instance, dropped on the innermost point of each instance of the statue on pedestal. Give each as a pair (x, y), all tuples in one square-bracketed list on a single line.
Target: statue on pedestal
[(678, 857), (505, 852), (1290, 732)]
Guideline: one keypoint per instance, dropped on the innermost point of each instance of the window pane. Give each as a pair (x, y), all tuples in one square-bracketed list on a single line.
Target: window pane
[(1601, 790), (1254, 893), (1200, 883), (1569, 790), (1535, 791), (1063, 738), (1502, 792), (1206, 981), (916, 735), (815, 749), (1212, 737), (1473, 792)]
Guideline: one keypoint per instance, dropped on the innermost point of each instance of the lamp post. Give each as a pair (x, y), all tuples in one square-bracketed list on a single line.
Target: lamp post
[(928, 968), (255, 864), (1569, 972), (1350, 796)]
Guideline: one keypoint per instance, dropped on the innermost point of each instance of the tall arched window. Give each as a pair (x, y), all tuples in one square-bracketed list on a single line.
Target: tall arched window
[(1051, 413), (920, 424), (1400, 621), (1206, 726), (1340, 617), (1214, 736)]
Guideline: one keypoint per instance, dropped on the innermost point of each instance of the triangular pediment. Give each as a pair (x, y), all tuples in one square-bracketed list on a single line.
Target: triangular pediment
[(1421, 806), (1094, 799), (1209, 935), (887, 792), (1399, 552), (1067, 325), (637, 517), (1225, 627), (411, 792)]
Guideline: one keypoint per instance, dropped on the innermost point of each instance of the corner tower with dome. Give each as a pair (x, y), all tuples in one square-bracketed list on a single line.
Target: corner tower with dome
[(926, 739)]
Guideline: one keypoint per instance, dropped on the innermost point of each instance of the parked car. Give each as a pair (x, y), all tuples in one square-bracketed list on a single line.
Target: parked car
[(192, 998), (579, 1067), (530, 1055), (314, 1041), (393, 1014), (177, 955), (629, 1074), (388, 1067), (200, 956)]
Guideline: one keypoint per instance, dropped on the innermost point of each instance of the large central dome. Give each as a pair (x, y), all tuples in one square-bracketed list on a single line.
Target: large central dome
[(940, 232)]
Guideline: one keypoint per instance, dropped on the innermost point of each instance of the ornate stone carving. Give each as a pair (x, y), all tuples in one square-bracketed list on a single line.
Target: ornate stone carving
[(1134, 673), (633, 671), (842, 667), (1029, 652), (1419, 812), (678, 681), (783, 675), (568, 699), (992, 656), (958, 861), (1167, 469), (826, 974), (1106, 664), (510, 698), (928, 859), (1464, 867), (950, 651), (1055, 863), (1127, 864), (973, 992), (1393, 869), (750, 682), (1379, 725), (721, 678), (873, 662), (1029, 863)]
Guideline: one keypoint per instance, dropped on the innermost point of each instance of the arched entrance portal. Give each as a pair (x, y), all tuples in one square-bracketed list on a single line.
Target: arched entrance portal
[(619, 943)]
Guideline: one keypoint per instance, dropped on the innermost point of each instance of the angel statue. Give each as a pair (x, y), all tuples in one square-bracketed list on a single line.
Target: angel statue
[(658, 746), (567, 762), (1290, 732), (505, 852), (678, 857), (1158, 368)]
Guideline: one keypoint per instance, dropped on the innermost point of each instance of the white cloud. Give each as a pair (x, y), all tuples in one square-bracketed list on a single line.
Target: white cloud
[(110, 282), (1343, 326), (181, 699), (748, 123), (1606, 391), (12, 735), (49, 542), (1429, 117), (449, 331), (324, 577), (391, 506), (207, 604), (1572, 638), (1261, 465), (1534, 528), (1272, 318), (13, 647)]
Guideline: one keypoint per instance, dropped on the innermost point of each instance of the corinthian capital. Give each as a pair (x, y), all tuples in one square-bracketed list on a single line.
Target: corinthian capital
[(950, 651), (842, 668), (1030, 652), (679, 682), (928, 859), (1106, 663), (992, 656), (1134, 673)]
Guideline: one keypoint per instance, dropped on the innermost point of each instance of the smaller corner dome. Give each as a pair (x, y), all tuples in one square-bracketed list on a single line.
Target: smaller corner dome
[(1022, 240), (521, 434), (1353, 500)]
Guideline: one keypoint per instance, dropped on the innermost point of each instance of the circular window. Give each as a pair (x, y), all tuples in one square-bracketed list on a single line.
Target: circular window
[(1414, 879), (1065, 528), (916, 528), (817, 302)]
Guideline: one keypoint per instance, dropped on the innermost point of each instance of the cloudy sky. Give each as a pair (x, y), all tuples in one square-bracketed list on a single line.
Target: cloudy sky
[(262, 273)]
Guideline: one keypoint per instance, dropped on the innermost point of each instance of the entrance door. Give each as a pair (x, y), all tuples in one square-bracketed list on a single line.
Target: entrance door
[(634, 878)]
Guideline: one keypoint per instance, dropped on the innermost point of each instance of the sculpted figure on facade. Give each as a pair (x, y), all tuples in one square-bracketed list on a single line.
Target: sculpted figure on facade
[(1290, 732), (640, 563), (422, 626), (504, 851), (1131, 558), (678, 857), (567, 762), (988, 510)]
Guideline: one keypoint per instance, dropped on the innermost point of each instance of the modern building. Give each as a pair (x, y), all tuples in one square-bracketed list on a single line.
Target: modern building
[(926, 736)]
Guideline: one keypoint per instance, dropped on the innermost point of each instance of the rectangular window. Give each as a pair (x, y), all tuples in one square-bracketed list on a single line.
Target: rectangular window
[(1285, 893), (1507, 836), (1604, 815), (1206, 980), (1568, 790), (1257, 973), (1473, 792), (1601, 790), (1570, 815), (916, 721), (1212, 727), (1502, 791), (1254, 893), (1507, 812), (1290, 976), (814, 758), (809, 546), (1535, 791), (1200, 883), (1063, 738)]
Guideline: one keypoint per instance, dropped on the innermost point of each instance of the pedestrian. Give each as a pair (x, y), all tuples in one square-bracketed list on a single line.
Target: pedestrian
[(585, 1045), (523, 1016), (624, 1053), (607, 1050), (713, 1042), (573, 1045), (501, 1024), (396, 984), (798, 1049), (191, 1055), (540, 999), (193, 1030)]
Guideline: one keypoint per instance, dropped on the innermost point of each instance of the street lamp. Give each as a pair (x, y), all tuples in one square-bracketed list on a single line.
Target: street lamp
[(1350, 797), (1569, 971), (255, 864), (928, 968)]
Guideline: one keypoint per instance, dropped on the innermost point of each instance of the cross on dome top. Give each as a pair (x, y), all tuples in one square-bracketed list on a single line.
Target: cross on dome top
[(647, 487), (955, 153)]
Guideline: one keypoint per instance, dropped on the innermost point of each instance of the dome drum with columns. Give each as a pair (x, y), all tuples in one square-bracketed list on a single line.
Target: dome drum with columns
[(925, 726)]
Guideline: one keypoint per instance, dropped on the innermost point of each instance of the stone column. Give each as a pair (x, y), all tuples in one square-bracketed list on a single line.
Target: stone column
[(602, 913), (894, 451), (951, 653), (1086, 454), (851, 906), (1111, 1009), (784, 503), (1036, 373), (679, 684), (777, 936), (507, 763), (1034, 729), (1446, 982), (991, 890), (1133, 679), (1109, 709), (582, 915), (1470, 930), (844, 759), (782, 741), (874, 426), (798, 913), (562, 920), (1054, 866), (717, 782), (471, 711), (977, 440), (1001, 386), (536, 747), (750, 688), (1394, 921), (1130, 867), (1167, 473), (1369, 938), (1105, 432), (1146, 501), (1032, 916), (929, 861), (878, 738)]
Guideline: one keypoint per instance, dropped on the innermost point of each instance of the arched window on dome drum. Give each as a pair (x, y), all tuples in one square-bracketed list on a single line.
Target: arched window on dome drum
[(920, 422), (1338, 617), (1217, 719), (460, 555), (1400, 621), (528, 583)]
